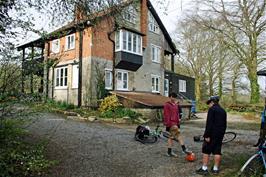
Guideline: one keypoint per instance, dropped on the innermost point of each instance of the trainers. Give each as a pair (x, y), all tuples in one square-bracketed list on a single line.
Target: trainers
[(171, 154), (186, 151), (202, 172), (215, 172)]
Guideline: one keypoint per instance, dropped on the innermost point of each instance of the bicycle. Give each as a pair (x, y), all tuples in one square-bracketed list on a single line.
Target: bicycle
[(256, 164), (228, 137), (152, 136)]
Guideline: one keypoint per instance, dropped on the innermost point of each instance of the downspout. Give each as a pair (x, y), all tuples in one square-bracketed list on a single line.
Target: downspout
[(22, 70), (80, 66), (113, 69)]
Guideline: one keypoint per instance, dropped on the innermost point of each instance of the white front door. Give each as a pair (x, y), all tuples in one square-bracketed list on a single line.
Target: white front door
[(166, 87)]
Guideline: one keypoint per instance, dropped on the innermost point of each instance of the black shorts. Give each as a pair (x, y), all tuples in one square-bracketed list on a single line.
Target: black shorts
[(213, 147)]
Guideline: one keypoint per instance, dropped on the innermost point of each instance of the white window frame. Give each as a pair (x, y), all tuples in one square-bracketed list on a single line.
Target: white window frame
[(158, 80), (122, 78), (120, 38), (130, 14), (59, 78), (75, 76), (182, 85), (155, 57), (71, 45), (56, 46), (110, 81), (153, 25)]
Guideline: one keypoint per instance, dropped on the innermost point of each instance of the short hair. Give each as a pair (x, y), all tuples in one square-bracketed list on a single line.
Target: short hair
[(215, 99), (173, 94)]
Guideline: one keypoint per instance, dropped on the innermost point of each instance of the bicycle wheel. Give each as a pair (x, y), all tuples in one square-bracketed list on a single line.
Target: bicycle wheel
[(253, 167), (228, 137), (166, 134), (147, 139)]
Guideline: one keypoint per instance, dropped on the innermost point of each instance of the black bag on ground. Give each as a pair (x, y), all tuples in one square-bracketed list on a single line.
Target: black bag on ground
[(141, 132)]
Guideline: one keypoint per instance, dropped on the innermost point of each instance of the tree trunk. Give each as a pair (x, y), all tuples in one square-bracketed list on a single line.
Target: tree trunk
[(233, 92), (198, 88), (254, 86), (220, 85)]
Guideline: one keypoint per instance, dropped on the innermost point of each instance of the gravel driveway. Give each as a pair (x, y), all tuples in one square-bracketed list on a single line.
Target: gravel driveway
[(86, 149)]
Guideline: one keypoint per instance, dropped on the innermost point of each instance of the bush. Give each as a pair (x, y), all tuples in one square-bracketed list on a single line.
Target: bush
[(121, 112), (18, 158), (110, 103)]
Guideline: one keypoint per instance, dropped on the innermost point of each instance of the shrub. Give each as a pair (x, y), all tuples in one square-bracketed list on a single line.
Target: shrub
[(121, 112), (17, 157), (109, 103)]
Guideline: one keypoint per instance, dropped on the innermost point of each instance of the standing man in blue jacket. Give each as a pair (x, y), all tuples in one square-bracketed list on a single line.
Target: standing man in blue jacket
[(213, 136)]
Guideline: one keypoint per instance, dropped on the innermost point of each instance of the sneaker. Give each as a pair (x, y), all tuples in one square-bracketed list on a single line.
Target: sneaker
[(215, 172), (171, 154), (186, 151), (202, 172)]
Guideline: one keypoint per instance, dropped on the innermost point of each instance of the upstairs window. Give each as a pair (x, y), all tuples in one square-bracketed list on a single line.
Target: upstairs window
[(128, 42), (56, 46), (182, 86), (70, 42), (155, 53), (130, 15), (153, 26), (61, 77)]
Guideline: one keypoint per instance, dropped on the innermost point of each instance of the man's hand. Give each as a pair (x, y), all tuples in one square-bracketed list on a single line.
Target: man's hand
[(207, 140)]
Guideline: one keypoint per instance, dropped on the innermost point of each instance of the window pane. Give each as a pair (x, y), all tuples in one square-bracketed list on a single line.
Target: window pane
[(124, 40), (129, 41), (65, 79), (125, 80), (134, 43), (117, 41), (119, 76)]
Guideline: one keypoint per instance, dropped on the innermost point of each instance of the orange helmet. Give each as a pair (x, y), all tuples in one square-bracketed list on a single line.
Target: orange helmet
[(191, 157)]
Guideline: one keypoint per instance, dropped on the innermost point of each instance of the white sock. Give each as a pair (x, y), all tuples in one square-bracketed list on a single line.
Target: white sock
[(215, 167), (204, 167)]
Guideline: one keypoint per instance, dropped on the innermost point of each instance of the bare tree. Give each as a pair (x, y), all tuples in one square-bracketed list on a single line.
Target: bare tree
[(243, 28)]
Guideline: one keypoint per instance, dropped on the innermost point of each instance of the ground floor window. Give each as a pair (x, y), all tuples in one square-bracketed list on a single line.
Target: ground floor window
[(182, 86), (122, 80), (75, 76), (108, 79), (155, 83), (61, 77)]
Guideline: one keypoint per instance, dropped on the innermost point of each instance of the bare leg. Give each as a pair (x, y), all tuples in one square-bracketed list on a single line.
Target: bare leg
[(205, 159), (217, 160), (170, 143), (180, 140)]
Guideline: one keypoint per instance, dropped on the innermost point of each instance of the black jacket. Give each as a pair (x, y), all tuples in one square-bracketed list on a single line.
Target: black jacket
[(216, 122)]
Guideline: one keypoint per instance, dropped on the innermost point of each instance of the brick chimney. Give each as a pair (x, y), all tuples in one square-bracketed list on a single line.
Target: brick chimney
[(144, 21)]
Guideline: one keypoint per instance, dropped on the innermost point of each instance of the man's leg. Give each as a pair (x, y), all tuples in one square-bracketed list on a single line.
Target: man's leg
[(205, 160)]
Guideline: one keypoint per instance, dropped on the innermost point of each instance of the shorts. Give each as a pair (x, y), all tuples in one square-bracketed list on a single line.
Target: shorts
[(213, 147), (174, 131)]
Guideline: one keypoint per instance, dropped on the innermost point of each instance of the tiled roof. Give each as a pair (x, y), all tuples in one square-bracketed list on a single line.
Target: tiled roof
[(148, 99)]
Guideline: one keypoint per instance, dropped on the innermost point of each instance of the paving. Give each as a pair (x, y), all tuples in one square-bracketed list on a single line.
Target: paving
[(95, 149)]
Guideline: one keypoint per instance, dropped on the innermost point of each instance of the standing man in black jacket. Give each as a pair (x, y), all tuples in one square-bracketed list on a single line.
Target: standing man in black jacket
[(213, 136)]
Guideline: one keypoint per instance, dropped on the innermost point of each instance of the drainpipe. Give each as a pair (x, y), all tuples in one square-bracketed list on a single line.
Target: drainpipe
[(113, 69), (22, 70), (80, 66), (172, 62)]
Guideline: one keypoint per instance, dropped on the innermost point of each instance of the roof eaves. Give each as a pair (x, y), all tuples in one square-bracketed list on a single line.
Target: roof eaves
[(166, 34)]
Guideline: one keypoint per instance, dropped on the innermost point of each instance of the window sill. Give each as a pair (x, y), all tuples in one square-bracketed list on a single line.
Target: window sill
[(122, 89), (66, 50), (60, 88), (157, 62), (155, 91), (119, 50)]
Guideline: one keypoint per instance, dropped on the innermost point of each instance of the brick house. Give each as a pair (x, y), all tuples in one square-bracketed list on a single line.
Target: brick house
[(133, 54)]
